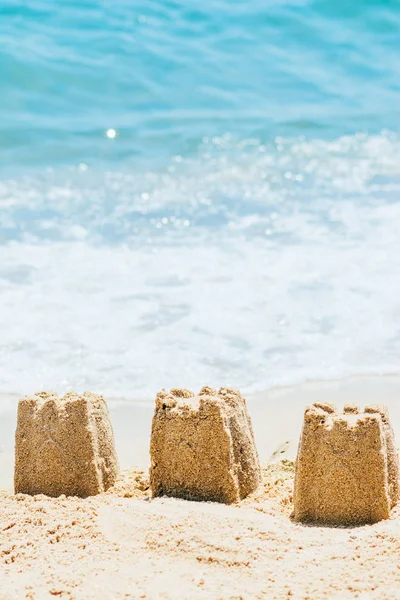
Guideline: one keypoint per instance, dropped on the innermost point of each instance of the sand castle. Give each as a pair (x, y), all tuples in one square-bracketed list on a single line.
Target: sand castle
[(347, 468), (64, 445), (202, 447)]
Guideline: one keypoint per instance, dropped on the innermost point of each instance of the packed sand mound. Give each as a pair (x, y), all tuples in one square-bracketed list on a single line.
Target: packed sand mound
[(64, 445), (347, 468), (202, 447)]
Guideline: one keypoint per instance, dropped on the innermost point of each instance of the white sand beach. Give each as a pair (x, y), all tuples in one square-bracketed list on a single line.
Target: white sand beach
[(113, 547), (123, 544)]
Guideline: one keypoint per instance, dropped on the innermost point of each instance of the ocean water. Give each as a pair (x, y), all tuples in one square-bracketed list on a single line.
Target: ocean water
[(202, 193)]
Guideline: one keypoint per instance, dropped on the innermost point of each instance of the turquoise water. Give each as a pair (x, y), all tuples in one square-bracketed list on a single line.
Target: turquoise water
[(198, 193), (165, 74)]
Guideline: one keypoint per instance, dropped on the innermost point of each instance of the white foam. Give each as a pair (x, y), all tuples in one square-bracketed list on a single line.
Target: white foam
[(248, 267)]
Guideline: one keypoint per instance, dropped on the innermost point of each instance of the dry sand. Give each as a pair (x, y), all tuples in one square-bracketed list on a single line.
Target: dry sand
[(121, 544)]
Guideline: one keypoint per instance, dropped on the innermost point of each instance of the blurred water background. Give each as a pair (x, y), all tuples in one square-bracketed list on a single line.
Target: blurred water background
[(202, 192)]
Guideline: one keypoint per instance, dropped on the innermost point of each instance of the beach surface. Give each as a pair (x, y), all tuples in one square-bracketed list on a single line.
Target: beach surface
[(123, 544)]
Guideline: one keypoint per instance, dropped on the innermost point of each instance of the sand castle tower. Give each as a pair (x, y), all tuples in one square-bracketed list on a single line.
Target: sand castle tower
[(64, 445), (202, 447), (347, 468)]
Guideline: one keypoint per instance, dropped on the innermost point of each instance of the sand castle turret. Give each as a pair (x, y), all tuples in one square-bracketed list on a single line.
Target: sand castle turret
[(64, 445), (347, 468), (202, 447)]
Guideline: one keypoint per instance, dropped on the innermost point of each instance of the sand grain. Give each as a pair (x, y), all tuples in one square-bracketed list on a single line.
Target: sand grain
[(123, 545)]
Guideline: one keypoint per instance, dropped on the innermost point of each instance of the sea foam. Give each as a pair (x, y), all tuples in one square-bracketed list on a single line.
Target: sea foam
[(249, 264)]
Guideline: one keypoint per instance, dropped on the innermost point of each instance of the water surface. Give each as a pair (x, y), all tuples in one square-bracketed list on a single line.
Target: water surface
[(204, 193)]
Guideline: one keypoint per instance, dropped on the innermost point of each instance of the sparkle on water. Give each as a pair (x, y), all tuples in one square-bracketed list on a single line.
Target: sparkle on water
[(111, 133), (198, 193)]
